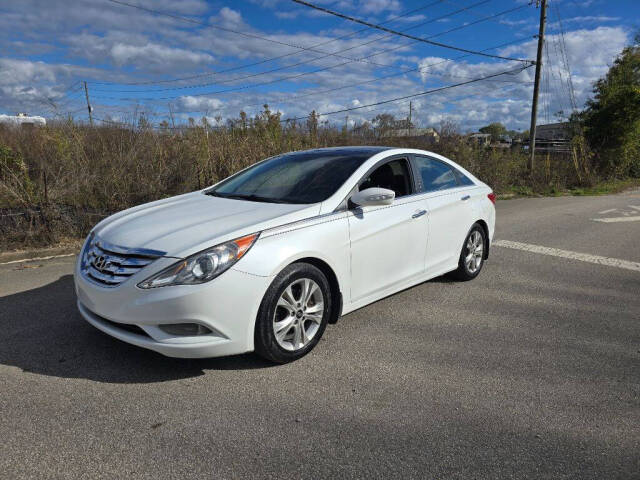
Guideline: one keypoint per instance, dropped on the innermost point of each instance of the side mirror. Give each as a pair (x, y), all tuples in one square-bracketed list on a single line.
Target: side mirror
[(373, 196)]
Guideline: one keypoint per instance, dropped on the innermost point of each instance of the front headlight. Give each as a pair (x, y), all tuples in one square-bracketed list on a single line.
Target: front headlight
[(202, 266)]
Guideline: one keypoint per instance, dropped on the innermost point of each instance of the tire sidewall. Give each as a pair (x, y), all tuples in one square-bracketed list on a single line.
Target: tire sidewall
[(265, 341)]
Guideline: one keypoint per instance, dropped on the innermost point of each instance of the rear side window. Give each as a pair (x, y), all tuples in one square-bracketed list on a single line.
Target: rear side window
[(435, 175)]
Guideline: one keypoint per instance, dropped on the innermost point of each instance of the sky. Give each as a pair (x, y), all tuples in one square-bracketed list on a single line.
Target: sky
[(174, 60)]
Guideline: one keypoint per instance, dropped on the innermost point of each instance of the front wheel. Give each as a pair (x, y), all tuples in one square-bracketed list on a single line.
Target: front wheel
[(472, 255), (293, 314)]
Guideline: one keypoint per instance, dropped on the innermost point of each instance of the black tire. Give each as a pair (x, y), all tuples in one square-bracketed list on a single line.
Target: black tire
[(266, 343), (465, 272)]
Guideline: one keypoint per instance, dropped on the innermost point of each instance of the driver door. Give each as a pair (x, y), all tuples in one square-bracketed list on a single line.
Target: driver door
[(388, 243)]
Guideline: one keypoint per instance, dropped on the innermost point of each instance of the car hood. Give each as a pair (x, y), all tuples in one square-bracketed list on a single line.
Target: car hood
[(189, 223)]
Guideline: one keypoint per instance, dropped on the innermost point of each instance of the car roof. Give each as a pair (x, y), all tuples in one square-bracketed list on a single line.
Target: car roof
[(350, 150)]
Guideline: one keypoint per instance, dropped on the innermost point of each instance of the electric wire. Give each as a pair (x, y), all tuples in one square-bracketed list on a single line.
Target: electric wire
[(240, 67), (286, 78), (565, 57), (401, 34), (419, 94), (305, 62), (230, 30)]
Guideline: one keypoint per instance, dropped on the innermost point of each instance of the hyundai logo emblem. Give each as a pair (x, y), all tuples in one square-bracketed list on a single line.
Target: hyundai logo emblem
[(101, 263)]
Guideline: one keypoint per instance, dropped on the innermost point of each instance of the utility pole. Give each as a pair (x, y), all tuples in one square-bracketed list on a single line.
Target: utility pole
[(536, 85), (86, 94), (410, 113)]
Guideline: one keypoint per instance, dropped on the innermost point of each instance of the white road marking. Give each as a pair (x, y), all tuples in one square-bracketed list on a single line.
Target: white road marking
[(556, 252), (617, 219), (635, 207), (607, 211), (35, 259)]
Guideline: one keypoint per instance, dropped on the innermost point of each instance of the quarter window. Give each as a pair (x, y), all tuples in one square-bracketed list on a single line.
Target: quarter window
[(462, 178), (435, 175)]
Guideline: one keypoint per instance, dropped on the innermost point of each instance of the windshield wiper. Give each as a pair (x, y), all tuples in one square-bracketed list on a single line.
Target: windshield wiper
[(251, 198)]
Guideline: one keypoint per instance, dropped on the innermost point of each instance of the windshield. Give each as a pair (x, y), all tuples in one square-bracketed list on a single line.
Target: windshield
[(298, 177)]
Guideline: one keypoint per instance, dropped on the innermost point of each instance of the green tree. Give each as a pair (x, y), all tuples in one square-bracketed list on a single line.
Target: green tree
[(496, 130), (612, 118)]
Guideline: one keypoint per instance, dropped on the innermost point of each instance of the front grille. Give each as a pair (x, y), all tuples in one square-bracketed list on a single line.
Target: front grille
[(110, 265)]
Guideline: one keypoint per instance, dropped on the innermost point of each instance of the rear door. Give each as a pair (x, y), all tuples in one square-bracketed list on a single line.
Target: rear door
[(449, 200), (388, 243)]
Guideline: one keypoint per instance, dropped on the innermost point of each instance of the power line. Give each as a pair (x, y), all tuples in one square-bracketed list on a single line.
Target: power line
[(457, 99), (240, 67), (305, 62), (230, 30), (546, 86), (185, 87), (183, 127), (565, 58), (561, 88), (362, 59), (401, 34), (426, 92), (292, 98), (292, 77), (435, 19)]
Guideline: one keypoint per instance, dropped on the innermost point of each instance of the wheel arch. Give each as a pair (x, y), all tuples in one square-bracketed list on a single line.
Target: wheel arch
[(485, 228)]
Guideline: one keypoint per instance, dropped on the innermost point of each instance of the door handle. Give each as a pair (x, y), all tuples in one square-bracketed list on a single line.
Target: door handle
[(418, 214), (466, 197)]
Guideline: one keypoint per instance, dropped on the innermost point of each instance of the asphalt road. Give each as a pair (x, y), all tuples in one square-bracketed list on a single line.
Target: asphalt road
[(530, 371)]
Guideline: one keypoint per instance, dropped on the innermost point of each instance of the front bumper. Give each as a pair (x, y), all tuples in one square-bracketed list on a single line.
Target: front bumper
[(227, 305)]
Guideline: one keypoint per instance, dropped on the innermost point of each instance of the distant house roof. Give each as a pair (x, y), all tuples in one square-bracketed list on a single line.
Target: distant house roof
[(412, 132), (22, 119)]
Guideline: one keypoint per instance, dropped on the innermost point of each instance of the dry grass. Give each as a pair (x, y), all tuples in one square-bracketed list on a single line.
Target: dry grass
[(58, 181)]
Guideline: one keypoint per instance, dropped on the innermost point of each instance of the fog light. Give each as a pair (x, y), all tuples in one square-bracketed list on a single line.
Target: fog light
[(185, 329)]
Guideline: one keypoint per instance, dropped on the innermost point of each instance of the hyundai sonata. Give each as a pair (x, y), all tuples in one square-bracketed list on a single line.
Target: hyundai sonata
[(264, 260)]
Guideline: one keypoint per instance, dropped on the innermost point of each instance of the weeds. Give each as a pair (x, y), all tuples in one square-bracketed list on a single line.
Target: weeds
[(58, 181)]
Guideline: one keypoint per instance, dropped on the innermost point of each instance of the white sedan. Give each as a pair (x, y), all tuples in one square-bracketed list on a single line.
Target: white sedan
[(265, 259)]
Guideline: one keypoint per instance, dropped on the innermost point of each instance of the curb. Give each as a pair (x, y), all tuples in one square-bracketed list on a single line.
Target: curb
[(36, 255)]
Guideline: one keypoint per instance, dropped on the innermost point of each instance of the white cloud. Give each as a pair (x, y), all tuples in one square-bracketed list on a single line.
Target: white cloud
[(31, 86), (130, 45), (192, 104), (377, 6), (228, 18), (150, 53), (408, 19)]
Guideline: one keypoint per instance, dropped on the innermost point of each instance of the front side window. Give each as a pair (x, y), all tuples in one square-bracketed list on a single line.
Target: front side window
[(393, 175), (435, 175), (298, 177)]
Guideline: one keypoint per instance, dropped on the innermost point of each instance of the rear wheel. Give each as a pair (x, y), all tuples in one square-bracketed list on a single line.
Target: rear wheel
[(472, 255), (293, 314)]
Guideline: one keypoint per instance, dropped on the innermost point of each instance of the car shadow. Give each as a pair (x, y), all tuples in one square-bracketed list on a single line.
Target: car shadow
[(446, 278), (43, 333)]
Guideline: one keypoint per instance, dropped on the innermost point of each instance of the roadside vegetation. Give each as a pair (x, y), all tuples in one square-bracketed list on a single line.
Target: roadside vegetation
[(56, 182)]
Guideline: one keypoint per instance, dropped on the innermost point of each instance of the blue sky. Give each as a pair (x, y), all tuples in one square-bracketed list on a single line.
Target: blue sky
[(219, 58)]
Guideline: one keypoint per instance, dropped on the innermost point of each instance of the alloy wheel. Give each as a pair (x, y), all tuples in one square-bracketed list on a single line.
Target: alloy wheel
[(475, 249), (298, 314)]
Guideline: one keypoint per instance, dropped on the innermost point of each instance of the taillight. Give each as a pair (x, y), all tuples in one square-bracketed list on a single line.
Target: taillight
[(492, 196)]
